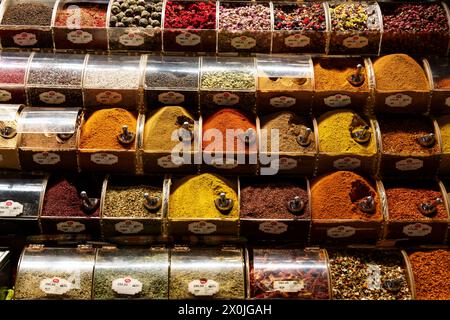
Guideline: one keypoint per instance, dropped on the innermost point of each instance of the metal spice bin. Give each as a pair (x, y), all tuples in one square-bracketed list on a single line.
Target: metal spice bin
[(48, 138), (55, 273), (172, 81), (131, 273), (13, 70), (133, 222), (294, 92), (5, 268), (9, 155), (213, 273), (280, 230), (26, 36), (439, 79), (73, 34), (21, 197), (113, 81), (287, 274)]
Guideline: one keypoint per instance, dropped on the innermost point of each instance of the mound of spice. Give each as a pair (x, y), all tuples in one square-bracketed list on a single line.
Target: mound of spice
[(353, 16), (338, 195), (331, 74), (444, 127), (226, 80), (185, 15), (160, 127), (400, 135), (112, 72), (335, 133), (269, 201), (30, 13), (403, 204), (431, 270), (368, 275), (303, 16), (399, 72), (239, 17), (172, 72), (79, 14), (101, 129), (136, 13), (227, 119), (194, 196), (290, 127)]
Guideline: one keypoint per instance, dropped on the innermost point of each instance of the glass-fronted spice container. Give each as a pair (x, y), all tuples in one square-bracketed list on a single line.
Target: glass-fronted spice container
[(108, 141), (409, 146), (347, 141), (190, 26), (341, 82), (72, 204), (5, 269), (170, 141), (81, 25), (133, 206), (274, 210), (47, 138), (416, 211), (13, 70), (20, 201), (9, 116), (207, 273), (131, 274), (356, 27), (202, 205), (401, 85), (55, 273), (284, 83), (370, 274), (135, 25), (439, 77), (299, 27), (295, 150), (418, 27), (172, 81), (346, 208), (227, 82), (112, 81), (288, 274), (26, 23)]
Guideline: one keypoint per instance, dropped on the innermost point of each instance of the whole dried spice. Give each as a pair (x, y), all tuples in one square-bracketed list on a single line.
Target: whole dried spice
[(336, 196), (102, 127), (136, 13), (45, 71), (303, 272), (331, 74), (32, 13), (304, 16), (269, 201), (112, 78), (186, 15), (368, 275), (444, 127), (353, 16), (431, 270), (400, 135), (81, 15), (225, 80), (238, 17), (290, 127)]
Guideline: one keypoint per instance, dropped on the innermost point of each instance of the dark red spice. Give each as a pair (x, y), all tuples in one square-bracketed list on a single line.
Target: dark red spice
[(12, 75), (185, 15)]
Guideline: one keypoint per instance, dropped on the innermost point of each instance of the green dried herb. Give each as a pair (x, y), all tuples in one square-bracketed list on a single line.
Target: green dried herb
[(225, 80)]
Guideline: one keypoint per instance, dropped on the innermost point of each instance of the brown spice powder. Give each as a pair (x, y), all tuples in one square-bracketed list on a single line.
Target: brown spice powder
[(283, 84)]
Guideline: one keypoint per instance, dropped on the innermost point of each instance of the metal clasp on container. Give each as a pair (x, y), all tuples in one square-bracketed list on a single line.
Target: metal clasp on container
[(358, 78), (224, 204), (126, 137), (248, 137), (367, 204), (89, 205), (296, 205), (427, 140), (429, 209), (361, 134), (305, 139), (185, 133), (8, 132), (152, 203)]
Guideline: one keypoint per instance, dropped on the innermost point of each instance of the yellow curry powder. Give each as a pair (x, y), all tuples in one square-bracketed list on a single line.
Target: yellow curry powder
[(444, 126), (335, 135), (194, 196)]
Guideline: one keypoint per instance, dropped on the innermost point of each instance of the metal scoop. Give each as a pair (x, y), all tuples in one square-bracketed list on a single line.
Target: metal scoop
[(224, 204)]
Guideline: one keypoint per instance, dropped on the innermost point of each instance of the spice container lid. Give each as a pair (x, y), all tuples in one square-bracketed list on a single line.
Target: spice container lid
[(48, 120), (274, 67), (8, 112), (13, 67)]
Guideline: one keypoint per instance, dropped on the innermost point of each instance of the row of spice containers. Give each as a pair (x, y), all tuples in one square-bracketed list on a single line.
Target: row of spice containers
[(232, 273), (340, 207), (358, 27), (392, 84)]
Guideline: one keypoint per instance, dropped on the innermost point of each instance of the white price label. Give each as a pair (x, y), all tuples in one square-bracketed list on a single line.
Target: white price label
[(203, 287), (25, 39), (52, 97), (129, 227), (70, 227), (5, 96), (104, 158), (243, 42), (224, 163), (170, 161), (288, 285), (287, 163), (273, 227), (226, 99), (447, 101), (10, 208), (187, 39), (46, 158), (108, 97), (171, 97), (282, 102), (79, 36), (338, 100), (131, 39), (417, 230), (398, 100), (347, 163), (202, 227), (409, 164), (341, 232), (297, 41), (127, 285), (355, 42), (55, 285)]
